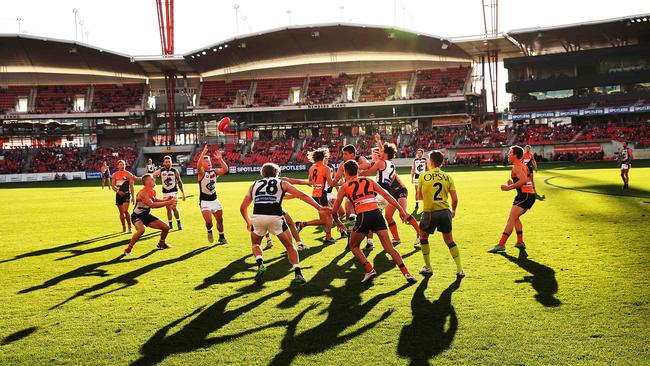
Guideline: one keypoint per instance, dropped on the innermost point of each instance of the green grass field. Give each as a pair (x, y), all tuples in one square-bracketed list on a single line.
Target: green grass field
[(582, 297)]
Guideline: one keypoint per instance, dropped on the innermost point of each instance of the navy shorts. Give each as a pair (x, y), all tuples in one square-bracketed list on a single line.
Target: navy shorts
[(322, 200), (524, 200), (369, 221), (146, 218), (120, 200), (399, 192)]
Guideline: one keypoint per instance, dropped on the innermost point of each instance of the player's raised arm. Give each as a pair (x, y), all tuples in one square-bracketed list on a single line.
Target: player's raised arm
[(289, 188), (380, 145), (338, 176), (243, 208), (222, 163), (363, 163), (199, 165)]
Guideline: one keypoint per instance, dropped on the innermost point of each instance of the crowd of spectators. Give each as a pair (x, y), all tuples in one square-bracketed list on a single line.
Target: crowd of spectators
[(545, 134), (12, 161), (56, 159), (111, 155), (578, 156)]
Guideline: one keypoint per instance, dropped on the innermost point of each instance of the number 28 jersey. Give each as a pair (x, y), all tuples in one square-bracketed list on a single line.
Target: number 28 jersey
[(267, 195), (361, 193), (435, 186)]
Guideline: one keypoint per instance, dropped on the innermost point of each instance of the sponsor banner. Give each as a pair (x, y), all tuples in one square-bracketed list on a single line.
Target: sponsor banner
[(256, 169), (577, 148), (579, 112), (190, 171), (93, 174), (478, 152), (41, 177), (548, 114)]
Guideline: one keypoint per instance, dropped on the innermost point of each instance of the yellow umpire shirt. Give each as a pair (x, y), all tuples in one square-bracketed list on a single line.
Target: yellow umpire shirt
[(435, 186)]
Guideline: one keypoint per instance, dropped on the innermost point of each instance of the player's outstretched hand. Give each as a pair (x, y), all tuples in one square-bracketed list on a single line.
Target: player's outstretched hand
[(249, 227), (217, 155), (453, 214), (183, 197), (505, 188), (377, 137), (510, 181)]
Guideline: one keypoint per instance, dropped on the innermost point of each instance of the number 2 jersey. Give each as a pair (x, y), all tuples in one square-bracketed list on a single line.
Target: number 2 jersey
[(267, 195), (435, 186), (168, 179)]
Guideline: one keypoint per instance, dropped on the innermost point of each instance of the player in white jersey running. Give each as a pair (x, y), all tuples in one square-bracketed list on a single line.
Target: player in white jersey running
[(171, 184), (418, 167), (266, 195), (208, 201)]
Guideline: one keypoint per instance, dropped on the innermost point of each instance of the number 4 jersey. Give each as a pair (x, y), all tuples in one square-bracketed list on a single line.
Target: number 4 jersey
[(435, 186), (267, 195)]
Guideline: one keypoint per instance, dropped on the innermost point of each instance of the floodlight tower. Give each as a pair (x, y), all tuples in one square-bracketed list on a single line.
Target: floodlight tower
[(166, 24), (491, 25)]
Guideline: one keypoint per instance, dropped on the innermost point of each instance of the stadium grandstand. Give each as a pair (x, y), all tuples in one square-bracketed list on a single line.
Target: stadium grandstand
[(577, 91)]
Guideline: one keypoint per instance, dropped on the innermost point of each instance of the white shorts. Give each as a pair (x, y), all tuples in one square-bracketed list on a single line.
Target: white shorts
[(263, 224), (331, 196), (625, 166), (381, 202), (170, 194), (211, 206)]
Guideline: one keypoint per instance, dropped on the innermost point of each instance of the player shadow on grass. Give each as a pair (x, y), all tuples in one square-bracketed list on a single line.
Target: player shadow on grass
[(130, 278), (543, 279), (345, 310), (65, 248), (276, 268), (195, 335), (606, 189), (89, 270), (16, 336), (427, 336)]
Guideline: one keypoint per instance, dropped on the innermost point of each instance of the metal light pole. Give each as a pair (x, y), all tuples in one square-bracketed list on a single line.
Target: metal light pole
[(87, 33), (236, 6), (81, 23), (19, 19), (341, 8), (289, 15), (75, 11)]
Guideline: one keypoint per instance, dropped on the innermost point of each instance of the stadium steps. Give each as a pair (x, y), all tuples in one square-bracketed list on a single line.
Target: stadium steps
[(577, 136), (512, 138), (297, 145), (90, 95), (356, 93), (251, 92), (28, 159), (411, 87), (244, 152), (144, 99), (31, 101), (304, 89)]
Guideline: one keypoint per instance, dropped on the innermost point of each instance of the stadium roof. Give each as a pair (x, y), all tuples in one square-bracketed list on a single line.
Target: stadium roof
[(24, 58), (322, 43)]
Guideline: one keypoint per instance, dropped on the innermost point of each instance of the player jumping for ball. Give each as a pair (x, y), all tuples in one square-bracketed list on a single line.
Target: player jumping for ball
[(141, 217), (523, 202), (209, 203), (171, 184), (361, 192), (266, 195)]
